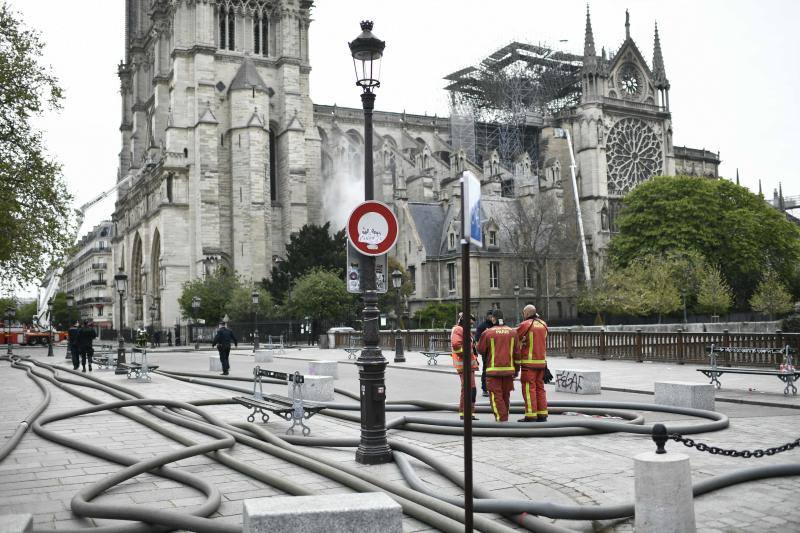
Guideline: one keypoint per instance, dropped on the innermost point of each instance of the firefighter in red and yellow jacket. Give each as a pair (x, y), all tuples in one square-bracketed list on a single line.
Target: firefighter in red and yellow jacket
[(531, 359), (498, 343), (457, 346)]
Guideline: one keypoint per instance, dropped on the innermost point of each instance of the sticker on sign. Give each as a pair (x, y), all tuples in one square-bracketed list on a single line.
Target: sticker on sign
[(372, 228)]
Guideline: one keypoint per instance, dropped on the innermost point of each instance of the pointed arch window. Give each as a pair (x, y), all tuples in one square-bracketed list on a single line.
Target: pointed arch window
[(273, 163), (227, 28), (260, 34)]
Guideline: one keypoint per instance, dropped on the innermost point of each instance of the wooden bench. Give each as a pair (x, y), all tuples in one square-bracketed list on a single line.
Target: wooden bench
[(786, 373), (294, 409)]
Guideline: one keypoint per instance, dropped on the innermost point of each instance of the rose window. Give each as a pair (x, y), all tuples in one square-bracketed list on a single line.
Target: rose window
[(633, 155)]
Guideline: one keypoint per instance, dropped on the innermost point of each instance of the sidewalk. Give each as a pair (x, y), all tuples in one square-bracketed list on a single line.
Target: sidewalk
[(41, 477)]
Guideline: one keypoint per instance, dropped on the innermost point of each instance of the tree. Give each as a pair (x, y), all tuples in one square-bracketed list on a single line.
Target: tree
[(215, 292), (61, 315), (771, 297), (714, 295), (311, 247), (388, 302), (242, 310), (437, 314), (320, 295), (34, 202), (726, 223), (25, 313)]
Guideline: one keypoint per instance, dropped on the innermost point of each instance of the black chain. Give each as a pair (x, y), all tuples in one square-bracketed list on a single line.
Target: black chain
[(747, 454)]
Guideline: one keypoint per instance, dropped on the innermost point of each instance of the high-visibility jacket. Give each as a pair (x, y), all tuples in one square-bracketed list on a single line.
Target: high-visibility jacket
[(532, 344), (457, 345), (498, 343)]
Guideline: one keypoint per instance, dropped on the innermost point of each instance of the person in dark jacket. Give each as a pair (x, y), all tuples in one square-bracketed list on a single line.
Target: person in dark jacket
[(222, 340), (483, 326), (72, 342), (85, 337)]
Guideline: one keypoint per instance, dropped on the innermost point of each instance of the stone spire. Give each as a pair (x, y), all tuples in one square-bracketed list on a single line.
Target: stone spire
[(760, 192), (658, 63), (781, 204), (737, 176), (627, 25), (588, 40)]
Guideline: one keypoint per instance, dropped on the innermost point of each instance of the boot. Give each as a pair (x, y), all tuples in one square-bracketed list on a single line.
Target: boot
[(90, 368), (528, 420), (541, 418), (84, 369)]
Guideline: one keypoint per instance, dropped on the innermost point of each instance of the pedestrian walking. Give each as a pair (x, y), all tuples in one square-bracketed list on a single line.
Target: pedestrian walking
[(483, 326), (457, 346), (498, 342), (85, 337), (72, 344), (222, 340), (532, 360)]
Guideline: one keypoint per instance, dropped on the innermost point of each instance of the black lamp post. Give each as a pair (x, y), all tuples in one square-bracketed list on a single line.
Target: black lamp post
[(9, 316), (397, 282), (367, 51), (121, 284), (50, 328), (516, 304), (254, 295), (70, 307), (153, 312), (195, 307)]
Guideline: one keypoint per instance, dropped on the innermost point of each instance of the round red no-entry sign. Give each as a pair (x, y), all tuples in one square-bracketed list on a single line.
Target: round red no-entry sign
[(372, 228)]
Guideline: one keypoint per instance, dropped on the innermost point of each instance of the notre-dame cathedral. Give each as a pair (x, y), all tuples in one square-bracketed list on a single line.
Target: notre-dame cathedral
[(226, 156)]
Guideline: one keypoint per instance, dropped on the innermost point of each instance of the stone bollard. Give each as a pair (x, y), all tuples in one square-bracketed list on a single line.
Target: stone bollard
[(264, 356), (324, 368), (16, 523), (578, 381), (663, 486), (315, 388), (214, 364), (364, 512), (685, 394)]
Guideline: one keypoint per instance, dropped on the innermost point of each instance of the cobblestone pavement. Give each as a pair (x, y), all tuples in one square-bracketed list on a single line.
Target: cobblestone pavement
[(41, 477)]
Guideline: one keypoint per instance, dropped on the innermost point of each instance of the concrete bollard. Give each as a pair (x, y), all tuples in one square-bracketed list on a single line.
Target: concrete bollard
[(315, 388), (324, 368), (578, 381), (214, 364), (364, 512), (663, 486), (264, 356), (16, 523), (684, 394)]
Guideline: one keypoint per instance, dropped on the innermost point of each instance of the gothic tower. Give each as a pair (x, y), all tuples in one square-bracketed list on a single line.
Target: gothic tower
[(219, 154)]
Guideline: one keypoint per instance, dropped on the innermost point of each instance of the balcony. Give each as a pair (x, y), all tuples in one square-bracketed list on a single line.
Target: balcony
[(98, 283), (99, 266)]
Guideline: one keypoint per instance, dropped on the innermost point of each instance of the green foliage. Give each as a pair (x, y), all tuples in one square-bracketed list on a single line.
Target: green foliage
[(5, 303), (771, 297), (311, 247), (726, 223), (215, 292), (25, 313), (242, 310), (62, 315), (34, 202), (387, 303), (320, 295), (437, 315), (714, 295), (791, 324)]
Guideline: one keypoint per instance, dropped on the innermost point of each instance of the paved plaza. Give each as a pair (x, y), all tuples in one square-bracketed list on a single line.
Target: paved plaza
[(41, 477)]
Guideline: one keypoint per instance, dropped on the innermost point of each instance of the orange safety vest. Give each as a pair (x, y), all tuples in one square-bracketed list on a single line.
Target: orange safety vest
[(532, 337), (457, 345), (498, 343)]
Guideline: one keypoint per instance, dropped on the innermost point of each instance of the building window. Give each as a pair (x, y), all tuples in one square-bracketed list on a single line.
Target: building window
[(99, 310), (560, 310), (273, 164), (492, 238), (451, 276), (558, 277), (260, 35), (529, 275), (412, 277), (452, 240), (494, 275), (227, 29)]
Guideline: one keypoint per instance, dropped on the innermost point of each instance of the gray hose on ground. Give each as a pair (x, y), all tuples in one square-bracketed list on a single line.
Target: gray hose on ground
[(12, 441)]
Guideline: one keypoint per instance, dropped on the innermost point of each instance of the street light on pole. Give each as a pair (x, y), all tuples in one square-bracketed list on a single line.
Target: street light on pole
[(397, 282), (9, 316), (367, 51), (121, 284), (50, 328), (70, 307), (516, 303), (195, 307), (254, 295), (153, 311)]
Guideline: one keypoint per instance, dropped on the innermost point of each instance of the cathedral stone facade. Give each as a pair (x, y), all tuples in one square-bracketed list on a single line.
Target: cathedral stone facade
[(228, 156)]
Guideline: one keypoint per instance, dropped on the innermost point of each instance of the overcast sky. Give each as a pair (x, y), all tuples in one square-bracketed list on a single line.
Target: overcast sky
[(732, 65)]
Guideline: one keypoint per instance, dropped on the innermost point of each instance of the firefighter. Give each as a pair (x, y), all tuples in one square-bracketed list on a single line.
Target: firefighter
[(498, 343), (457, 346), (532, 339)]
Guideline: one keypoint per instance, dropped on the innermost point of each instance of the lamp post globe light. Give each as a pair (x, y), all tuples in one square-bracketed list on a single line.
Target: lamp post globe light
[(367, 51), (8, 315), (196, 301), (121, 284), (70, 308), (255, 297), (50, 328), (516, 303), (397, 282)]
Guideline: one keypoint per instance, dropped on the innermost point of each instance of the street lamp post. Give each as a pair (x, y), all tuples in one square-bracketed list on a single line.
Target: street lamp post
[(195, 307), (153, 311), (70, 307), (516, 303), (9, 316), (121, 284), (50, 328), (397, 282), (254, 295), (367, 51)]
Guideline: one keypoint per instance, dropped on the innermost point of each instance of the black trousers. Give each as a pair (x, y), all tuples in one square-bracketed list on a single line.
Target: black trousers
[(484, 358), (223, 357), (85, 354), (73, 351)]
